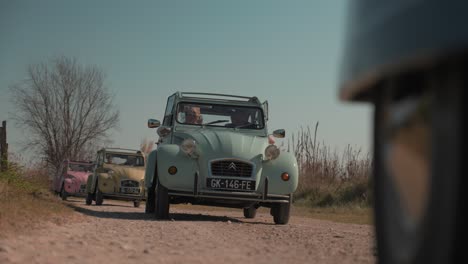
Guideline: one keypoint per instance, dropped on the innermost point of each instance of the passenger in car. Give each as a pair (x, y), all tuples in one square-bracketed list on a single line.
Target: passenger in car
[(108, 159), (239, 118)]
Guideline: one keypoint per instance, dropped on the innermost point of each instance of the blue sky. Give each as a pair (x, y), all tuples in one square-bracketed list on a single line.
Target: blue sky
[(286, 52)]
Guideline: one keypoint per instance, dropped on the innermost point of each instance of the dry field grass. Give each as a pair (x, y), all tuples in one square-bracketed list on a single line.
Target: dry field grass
[(331, 184), (25, 201)]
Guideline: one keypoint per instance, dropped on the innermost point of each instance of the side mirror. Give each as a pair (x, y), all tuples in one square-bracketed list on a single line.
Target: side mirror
[(153, 123), (163, 131), (279, 133)]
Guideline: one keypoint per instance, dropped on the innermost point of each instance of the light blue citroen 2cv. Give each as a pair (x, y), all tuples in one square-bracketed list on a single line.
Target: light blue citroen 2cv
[(215, 150)]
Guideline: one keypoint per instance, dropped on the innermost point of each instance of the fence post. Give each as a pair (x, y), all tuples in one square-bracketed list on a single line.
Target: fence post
[(3, 147)]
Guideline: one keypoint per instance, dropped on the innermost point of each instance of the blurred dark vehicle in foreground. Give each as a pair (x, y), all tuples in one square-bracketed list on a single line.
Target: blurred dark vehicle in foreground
[(409, 59)]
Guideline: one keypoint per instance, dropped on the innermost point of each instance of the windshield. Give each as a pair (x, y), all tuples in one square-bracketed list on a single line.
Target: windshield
[(124, 159), (220, 115), (80, 167)]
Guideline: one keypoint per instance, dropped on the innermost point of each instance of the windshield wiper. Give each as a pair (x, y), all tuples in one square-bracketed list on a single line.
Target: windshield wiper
[(215, 122), (250, 125)]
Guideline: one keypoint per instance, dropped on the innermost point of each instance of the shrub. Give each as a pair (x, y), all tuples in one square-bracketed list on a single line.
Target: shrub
[(327, 178)]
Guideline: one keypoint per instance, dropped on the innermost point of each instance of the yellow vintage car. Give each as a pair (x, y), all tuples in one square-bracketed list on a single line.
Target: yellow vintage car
[(118, 174)]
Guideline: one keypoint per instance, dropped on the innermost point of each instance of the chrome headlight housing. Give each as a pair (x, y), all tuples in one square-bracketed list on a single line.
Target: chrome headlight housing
[(189, 147), (272, 152)]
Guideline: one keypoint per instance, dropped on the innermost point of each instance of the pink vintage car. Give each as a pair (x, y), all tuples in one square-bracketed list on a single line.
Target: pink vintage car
[(72, 177)]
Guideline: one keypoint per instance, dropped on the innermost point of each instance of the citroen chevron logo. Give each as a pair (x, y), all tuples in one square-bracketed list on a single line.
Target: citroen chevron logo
[(232, 166)]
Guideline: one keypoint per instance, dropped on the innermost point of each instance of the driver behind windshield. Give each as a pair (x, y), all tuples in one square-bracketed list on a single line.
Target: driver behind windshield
[(193, 115)]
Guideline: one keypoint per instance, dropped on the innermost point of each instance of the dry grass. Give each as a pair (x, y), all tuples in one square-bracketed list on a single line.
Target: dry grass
[(330, 179), (25, 200), (341, 214)]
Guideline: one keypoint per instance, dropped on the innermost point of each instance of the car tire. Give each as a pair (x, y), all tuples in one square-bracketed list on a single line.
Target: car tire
[(281, 212), (250, 212), (136, 204), (89, 199), (150, 205), (63, 193), (161, 201), (435, 237), (99, 196)]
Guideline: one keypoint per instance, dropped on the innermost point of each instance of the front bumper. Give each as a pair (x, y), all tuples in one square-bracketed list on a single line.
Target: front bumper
[(125, 197), (75, 189), (263, 197)]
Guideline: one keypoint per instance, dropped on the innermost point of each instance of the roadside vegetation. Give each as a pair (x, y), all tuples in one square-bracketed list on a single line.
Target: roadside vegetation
[(332, 183), (25, 200)]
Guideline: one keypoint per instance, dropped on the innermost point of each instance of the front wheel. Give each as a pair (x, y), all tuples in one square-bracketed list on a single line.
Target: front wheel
[(89, 199), (63, 193), (161, 201), (151, 199), (99, 196), (281, 212)]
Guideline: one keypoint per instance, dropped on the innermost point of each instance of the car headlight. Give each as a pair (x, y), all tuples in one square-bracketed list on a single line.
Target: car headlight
[(69, 180), (189, 147), (272, 152)]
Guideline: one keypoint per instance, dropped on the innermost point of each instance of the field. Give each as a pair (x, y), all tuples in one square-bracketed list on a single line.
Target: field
[(25, 200)]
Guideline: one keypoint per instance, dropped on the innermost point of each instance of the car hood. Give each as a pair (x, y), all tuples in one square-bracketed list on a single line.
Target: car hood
[(79, 175), (226, 144), (122, 172)]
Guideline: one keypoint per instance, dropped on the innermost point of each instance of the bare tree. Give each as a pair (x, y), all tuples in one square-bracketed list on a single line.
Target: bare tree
[(65, 108), (146, 146)]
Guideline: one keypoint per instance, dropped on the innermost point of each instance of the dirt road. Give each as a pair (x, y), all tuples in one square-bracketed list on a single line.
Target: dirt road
[(119, 233)]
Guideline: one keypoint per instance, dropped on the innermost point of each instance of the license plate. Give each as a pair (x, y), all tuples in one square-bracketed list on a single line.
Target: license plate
[(230, 184), (129, 190)]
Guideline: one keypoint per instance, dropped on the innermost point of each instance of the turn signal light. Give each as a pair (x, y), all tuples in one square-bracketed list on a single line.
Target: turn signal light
[(285, 176), (172, 170)]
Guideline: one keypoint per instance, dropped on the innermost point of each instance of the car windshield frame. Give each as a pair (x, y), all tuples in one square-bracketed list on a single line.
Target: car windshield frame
[(120, 155), (71, 167), (221, 124)]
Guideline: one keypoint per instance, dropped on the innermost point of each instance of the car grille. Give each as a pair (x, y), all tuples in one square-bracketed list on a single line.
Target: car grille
[(231, 168), (129, 183)]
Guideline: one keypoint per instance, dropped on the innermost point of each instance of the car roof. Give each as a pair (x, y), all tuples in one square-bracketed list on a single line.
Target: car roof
[(79, 161), (122, 151), (217, 98)]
